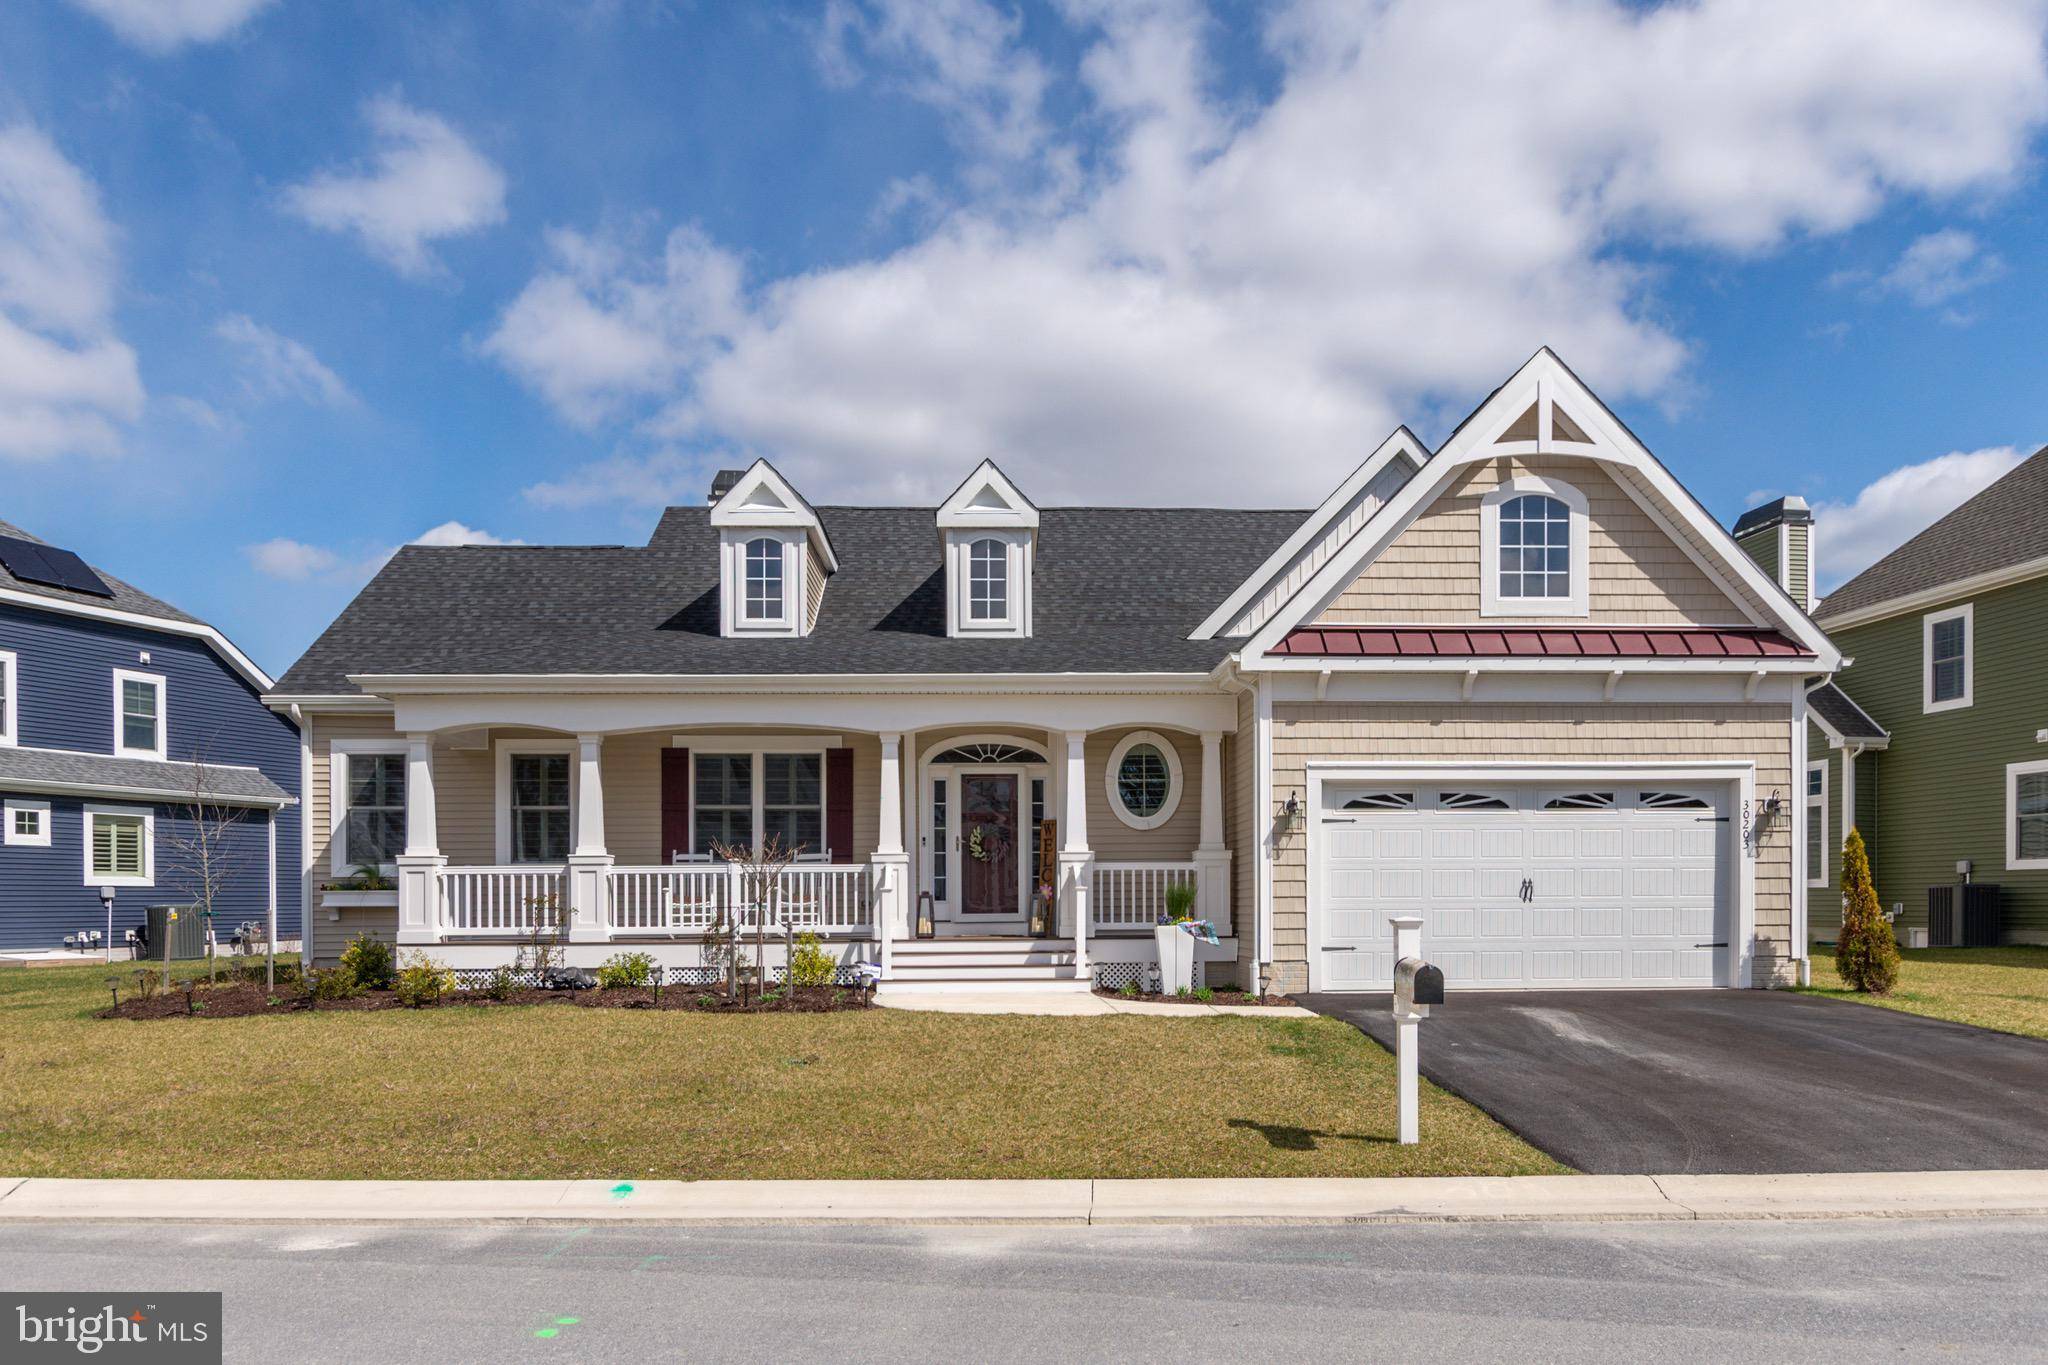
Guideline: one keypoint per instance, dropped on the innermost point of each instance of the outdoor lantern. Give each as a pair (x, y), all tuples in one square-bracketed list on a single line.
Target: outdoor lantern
[(925, 927)]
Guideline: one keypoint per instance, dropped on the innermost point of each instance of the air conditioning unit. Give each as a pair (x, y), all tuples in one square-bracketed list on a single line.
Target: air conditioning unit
[(1963, 915)]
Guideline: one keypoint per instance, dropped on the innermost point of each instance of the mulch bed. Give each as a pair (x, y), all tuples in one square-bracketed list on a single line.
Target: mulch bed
[(240, 999), (1215, 998)]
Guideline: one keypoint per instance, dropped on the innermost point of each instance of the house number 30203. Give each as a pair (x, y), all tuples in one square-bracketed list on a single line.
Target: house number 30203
[(1748, 831)]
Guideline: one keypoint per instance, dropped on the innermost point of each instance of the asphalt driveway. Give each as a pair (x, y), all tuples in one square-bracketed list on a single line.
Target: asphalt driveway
[(1670, 1082)]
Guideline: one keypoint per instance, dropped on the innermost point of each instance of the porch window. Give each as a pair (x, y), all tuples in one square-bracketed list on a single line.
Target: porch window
[(1144, 779), (373, 831), (793, 800), (540, 808), (764, 579), (722, 808), (1040, 874), (1818, 849), (940, 843)]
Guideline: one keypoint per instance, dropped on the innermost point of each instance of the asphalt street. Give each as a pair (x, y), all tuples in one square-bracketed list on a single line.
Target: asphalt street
[(1852, 1290), (1698, 1082)]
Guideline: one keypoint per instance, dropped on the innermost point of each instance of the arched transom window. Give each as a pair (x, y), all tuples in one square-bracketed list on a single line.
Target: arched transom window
[(988, 580), (764, 579)]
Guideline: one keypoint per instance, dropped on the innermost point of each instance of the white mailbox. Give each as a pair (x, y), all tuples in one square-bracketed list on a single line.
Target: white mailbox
[(1417, 986)]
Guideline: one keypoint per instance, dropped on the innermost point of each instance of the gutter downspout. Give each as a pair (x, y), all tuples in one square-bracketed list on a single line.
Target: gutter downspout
[(1230, 675), (298, 717)]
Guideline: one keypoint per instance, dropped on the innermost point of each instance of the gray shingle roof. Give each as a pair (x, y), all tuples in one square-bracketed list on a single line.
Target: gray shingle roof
[(1841, 714), (2006, 524), (24, 770), (1115, 590), (126, 596)]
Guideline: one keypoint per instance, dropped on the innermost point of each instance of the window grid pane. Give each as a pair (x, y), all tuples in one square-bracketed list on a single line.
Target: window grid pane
[(138, 714), (940, 844), (764, 580), (723, 804), (1142, 781), (988, 585), (793, 801), (1535, 547), (540, 808)]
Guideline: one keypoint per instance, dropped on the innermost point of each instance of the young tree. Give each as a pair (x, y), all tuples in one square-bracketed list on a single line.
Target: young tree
[(760, 870), (201, 845), (1867, 957)]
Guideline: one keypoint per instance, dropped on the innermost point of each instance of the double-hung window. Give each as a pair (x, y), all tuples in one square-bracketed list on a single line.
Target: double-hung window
[(764, 586), (138, 715), (722, 802), (9, 688), (988, 580), (120, 846), (739, 797), (1817, 847), (540, 808), (373, 830), (2026, 816), (793, 800), (1947, 645)]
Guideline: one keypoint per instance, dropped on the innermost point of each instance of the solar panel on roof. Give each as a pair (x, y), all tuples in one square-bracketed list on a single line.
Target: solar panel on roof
[(33, 563)]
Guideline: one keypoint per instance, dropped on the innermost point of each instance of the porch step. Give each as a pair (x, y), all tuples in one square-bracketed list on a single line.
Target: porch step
[(933, 985)]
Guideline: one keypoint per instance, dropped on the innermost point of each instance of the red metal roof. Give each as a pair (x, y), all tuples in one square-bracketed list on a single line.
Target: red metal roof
[(1546, 642)]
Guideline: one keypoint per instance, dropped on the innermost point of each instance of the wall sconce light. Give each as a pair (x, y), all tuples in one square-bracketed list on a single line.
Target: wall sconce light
[(1772, 805), (1290, 815)]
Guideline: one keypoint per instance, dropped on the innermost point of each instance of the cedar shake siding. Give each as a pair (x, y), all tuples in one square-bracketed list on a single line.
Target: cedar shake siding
[(1430, 573), (1383, 733)]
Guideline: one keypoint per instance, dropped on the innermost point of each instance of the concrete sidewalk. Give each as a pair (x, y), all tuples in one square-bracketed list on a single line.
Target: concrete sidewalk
[(1570, 1198)]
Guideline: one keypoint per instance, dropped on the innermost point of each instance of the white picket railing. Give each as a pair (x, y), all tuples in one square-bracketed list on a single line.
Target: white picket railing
[(688, 898), (1133, 895), (502, 900)]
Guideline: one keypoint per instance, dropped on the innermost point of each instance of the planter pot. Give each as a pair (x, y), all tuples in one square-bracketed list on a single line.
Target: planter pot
[(334, 902), (1176, 958)]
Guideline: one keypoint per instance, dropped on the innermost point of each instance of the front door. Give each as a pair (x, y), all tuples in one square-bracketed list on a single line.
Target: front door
[(989, 846)]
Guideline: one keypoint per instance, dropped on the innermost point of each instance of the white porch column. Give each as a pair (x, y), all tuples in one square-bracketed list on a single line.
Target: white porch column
[(419, 867), (590, 865), (1212, 857), (1077, 859), (892, 860)]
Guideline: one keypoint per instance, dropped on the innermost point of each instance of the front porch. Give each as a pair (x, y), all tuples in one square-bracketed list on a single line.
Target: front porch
[(929, 874)]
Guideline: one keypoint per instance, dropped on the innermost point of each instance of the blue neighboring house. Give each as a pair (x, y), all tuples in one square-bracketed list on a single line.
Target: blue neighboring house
[(124, 722)]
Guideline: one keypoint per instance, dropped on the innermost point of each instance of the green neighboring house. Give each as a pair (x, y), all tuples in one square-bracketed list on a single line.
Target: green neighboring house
[(1934, 737)]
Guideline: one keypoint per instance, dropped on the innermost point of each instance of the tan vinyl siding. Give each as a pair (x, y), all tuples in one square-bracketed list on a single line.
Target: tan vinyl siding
[(1375, 495), (1536, 734), (1430, 573), (329, 935), (1116, 842)]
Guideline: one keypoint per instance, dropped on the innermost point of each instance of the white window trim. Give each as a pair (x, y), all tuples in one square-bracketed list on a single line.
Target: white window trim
[(1016, 620), (148, 814), (757, 747), (1175, 780), (38, 840), (1967, 613), (1817, 807), (502, 801), (163, 714), (10, 710), (1491, 603), (339, 753), (733, 575), (2013, 773)]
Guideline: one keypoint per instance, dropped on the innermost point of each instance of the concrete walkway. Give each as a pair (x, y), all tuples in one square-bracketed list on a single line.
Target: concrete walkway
[(1571, 1198), (1067, 1003)]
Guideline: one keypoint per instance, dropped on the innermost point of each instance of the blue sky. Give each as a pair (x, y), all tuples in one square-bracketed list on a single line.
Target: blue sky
[(286, 284)]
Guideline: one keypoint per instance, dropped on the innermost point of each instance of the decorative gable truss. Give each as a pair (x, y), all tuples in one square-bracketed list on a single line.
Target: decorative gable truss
[(1321, 535), (1543, 511), (773, 557), (988, 533)]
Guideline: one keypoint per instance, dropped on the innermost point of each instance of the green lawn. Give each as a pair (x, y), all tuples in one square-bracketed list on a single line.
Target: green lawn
[(1996, 988), (555, 1091)]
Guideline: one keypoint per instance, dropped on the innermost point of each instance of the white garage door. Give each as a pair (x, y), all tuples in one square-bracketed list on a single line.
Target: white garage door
[(1524, 887)]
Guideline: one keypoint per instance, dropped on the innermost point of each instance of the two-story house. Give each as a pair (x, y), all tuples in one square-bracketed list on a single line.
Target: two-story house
[(126, 728), (1941, 759), (1521, 685)]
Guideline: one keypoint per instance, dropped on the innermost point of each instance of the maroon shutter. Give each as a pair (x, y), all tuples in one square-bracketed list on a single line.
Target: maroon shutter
[(675, 803), (839, 804)]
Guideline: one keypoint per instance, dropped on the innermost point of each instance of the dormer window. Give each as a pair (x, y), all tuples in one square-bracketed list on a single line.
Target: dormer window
[(1533, 549), (988, 580), (773, 554), (988, 532), (764, 580)]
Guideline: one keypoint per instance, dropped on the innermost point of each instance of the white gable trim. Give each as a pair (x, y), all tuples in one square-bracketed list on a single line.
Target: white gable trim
[(1402, 445), (1543, 379), (197, 630), (987, 500), (764, 499)]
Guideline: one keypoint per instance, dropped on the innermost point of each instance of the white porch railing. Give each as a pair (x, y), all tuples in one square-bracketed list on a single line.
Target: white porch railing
[(1133, 895), (689, 898), (502, 900)]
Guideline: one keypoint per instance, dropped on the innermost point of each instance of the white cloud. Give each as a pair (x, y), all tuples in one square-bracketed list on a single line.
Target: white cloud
[(1235, 301), (68, 383), (162, 26), (296, 561), (424, 182), (1940, 266), (275, 366), (1851, 536), (659, 478)]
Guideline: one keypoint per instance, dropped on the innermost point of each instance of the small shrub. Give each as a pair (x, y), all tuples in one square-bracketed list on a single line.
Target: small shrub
[(1180, 901), (423, 981), (146, 983), (1129, 990), (1867, 957), (1204, 994), (810, 964), (498, 985), (333, 983), (369, 961), (625, 970)]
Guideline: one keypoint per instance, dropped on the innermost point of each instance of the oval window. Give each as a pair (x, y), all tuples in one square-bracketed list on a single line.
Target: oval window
[(1144, 780)]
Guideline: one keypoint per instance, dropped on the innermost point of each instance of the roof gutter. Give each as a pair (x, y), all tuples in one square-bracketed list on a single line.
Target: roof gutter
[(829, 684), (1936, 595)]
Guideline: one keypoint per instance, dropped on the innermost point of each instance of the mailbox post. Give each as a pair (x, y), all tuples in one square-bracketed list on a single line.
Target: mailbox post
[(1417, 986)]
